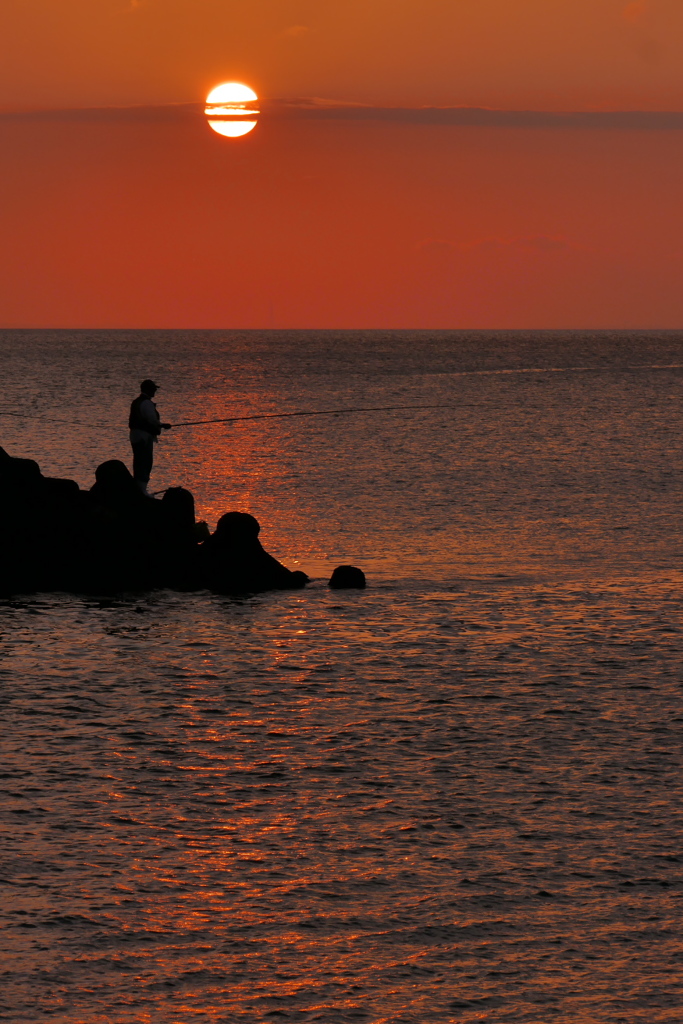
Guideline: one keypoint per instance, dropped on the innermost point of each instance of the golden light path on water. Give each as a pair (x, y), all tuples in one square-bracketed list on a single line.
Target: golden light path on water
[(228, 107)]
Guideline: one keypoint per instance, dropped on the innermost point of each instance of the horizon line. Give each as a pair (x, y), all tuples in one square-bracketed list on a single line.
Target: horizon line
[(368, 330), (315, 108)]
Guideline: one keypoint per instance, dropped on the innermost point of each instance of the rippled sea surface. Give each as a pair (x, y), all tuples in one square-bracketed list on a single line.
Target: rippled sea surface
[(453, 797)]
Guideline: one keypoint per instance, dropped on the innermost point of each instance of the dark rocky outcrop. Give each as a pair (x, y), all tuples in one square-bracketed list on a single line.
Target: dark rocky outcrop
[(55, 536)]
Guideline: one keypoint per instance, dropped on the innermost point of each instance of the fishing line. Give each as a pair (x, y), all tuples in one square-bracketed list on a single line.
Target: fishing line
[(43, 419), (380, 408)]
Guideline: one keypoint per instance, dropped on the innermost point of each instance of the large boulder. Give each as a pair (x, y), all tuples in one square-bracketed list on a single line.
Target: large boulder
[(233, 560)]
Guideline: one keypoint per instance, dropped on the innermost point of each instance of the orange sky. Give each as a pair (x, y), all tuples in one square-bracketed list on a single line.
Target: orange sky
[(152, 220), (508, 53)]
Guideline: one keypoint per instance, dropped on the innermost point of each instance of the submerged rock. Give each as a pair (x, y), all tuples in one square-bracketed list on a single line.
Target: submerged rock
[(347, 577)]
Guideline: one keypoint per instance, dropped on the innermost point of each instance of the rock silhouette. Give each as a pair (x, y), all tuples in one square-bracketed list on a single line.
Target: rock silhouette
[(233, 559), (347, 577), (55, 536)]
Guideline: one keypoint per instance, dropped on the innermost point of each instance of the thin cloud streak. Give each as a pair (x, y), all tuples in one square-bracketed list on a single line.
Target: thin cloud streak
[(480, 117), (160, 112), (330, 110)]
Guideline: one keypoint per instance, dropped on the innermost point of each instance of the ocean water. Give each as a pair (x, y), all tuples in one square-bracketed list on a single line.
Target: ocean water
[(453, 797)]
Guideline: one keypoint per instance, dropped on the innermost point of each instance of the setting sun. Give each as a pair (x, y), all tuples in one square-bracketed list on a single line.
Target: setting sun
[(231, 92), (230, 109)]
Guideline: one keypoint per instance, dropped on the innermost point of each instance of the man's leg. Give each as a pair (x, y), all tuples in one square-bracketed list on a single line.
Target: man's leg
[(143, 457)]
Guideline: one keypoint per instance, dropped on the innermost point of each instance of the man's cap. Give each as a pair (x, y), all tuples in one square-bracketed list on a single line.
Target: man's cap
[(147, 384)]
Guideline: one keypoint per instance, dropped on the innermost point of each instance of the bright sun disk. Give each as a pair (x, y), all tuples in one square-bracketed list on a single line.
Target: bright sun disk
[(231, 92), (227, 108), (232, 129)]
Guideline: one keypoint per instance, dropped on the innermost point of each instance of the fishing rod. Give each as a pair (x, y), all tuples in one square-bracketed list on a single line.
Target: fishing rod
[(305, 412), (254, 416)]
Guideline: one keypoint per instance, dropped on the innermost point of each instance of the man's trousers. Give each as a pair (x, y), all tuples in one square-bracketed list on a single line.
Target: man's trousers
[(143, 457)]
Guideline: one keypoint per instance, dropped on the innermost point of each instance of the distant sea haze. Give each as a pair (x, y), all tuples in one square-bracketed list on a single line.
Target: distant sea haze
[(316, 108)]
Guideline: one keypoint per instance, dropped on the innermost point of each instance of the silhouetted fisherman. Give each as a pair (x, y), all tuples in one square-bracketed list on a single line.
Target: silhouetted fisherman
[(145, 426)]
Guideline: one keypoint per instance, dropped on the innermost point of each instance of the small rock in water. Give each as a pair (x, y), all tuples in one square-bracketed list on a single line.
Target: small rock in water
[(346, 577)]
